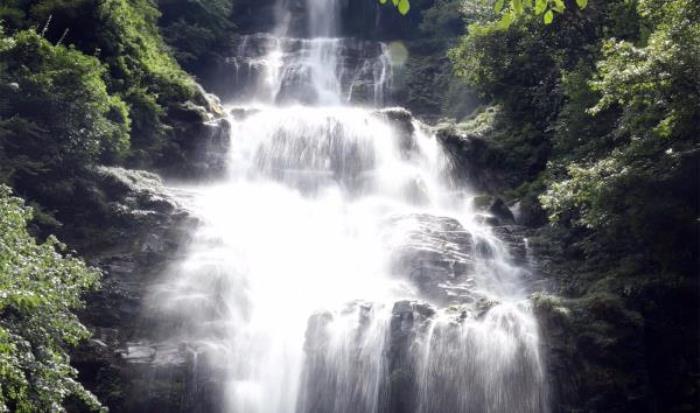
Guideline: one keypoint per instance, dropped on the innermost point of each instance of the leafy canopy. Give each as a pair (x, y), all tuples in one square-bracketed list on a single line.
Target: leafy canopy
[(654, 90), (123, 40), (610, 100), (196, 29), (39, 287), (508, 11), (55, 110)]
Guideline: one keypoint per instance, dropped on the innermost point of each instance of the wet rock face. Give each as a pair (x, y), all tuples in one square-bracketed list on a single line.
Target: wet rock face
[(200, 144), (434, 253), (416, 357), (343, 375), (195, 140), (134, 231), (474, 159), (361, 68), (402, 122), (595, 345), (126, 212), (513, 237), (255, 15), (168, 380), (375, 370), (409, 322)]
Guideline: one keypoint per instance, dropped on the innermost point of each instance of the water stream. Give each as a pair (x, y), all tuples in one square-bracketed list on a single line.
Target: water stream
[(338, 268)]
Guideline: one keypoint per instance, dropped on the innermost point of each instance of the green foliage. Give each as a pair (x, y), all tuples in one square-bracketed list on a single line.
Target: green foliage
[(444, 19), (656, 85), (55, 111), (510, 10), (653, 91), (77, 78), (425, 82), (124, 36), (131, 46), (196, 29), (403, 6), (613, 94), (524, 67), (515, 67), (39, 287), (141, 69)]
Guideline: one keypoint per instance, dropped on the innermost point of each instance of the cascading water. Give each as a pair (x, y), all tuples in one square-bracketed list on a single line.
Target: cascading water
[(321, 68), (338, 269)]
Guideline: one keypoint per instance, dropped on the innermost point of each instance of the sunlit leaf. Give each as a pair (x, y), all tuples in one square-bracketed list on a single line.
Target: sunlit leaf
[(404, 6), (518, 6), (506, 20), (548, 17), (559, 6), (540, 6), (498, 6)]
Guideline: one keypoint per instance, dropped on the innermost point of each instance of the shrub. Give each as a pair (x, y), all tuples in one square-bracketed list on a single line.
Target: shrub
[(40, 285), (55, 111)]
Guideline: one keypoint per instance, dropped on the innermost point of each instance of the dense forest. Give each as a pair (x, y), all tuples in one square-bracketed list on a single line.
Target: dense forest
[(583, 117)]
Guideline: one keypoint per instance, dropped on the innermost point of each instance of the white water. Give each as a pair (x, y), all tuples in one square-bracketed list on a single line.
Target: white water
[(338, 270), (321, 69)]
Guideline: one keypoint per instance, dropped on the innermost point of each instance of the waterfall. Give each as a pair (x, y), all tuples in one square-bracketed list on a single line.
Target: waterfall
[(304, 61), (338, 268), (324, 17)]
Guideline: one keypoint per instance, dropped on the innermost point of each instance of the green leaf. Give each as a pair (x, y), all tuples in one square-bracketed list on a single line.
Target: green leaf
[(506, 20), (498, 6), (582, 4), (548, 17), (559, 6), (518, 6), (404, 6), (540, 6)]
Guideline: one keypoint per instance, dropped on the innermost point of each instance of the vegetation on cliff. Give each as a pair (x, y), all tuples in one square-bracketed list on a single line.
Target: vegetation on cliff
[(123, 39), (55, 112), (196, 30), (40, 286), (86, 82), (613, 93), (82, 83), (609, 99)]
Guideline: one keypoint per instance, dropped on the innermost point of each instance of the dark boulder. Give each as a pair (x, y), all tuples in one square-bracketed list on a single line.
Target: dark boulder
[(474, 159), (500, 210), (198, 146), (402, 122), (528, 211), (495, 208)]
